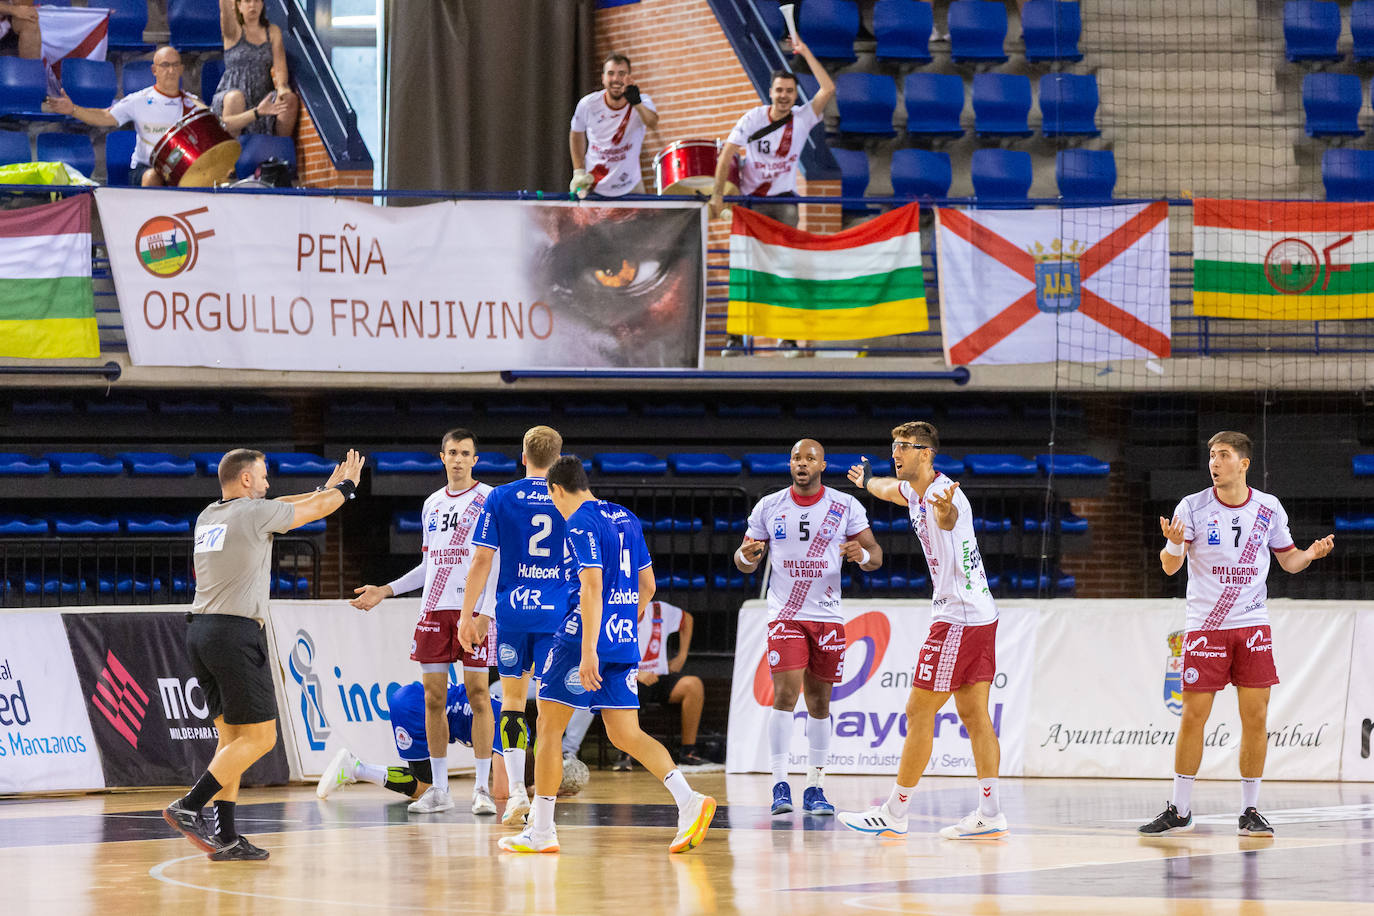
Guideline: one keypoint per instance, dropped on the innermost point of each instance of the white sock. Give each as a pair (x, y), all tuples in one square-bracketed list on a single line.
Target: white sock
[(515, 767), (1183, 794), (779, 737), (541, 813), (815, 777), (677, 784), (818, 745), (483, 773), (989, 802), (440, 767), (370, 772), (1249, 793), (899, 800)]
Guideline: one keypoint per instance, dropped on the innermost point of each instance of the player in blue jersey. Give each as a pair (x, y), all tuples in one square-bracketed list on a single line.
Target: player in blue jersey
[(519, 520), (594, 661)]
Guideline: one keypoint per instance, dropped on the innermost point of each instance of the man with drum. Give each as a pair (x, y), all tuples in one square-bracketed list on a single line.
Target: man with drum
[(607, 133), (154, 111)]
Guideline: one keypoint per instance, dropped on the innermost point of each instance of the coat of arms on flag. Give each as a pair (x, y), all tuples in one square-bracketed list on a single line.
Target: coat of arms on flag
[(1030, 286)]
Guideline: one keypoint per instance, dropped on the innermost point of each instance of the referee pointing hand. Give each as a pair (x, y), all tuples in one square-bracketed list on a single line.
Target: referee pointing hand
[(225, 640)]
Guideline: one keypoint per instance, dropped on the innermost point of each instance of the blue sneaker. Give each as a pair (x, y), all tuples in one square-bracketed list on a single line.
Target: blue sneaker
[(814, 801), (782, 798)]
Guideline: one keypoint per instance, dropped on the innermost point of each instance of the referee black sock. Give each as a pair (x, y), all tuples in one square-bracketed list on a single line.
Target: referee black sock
[(202, 792), (224, 822)]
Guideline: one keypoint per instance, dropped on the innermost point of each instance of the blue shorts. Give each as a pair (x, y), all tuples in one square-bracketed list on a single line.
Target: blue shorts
[(518, 651), (408, 725), (559, 681)]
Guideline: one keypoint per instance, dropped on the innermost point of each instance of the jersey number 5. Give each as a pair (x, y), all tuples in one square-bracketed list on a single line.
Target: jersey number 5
[(804, 530), (543, 527)]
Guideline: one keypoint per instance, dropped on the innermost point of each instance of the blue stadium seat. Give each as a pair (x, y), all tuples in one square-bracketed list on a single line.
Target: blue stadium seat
[(808, 85), (920, 173), (992, 525), (903, 29), (157, 464), (1311, 29), (768, 464), (90, 83), (1068, 105), (682, 581), (1362, 28), (837, 464), (288, 586), (1085, 174), (914, 582), (733, 579), (153, 523), (934, 102), (258, 148), (1001, 102), (1362, 465), (210, 73), (1354, 521), (207, 462), (119, 152), (54, 585), (128, 585), (80, 524), (22, 526), (630, 463), (23, 86), (829, 28), (728, 525), (1051, 29), (748, 411), (519, 409), (496, 463), (704, 464), (128, 19), (407, 522), (16, 465), (84, 464), (771, 11), (316, 527), (950, 467), (117, 406), (977, 29), (1348, 174), (1331, 103), (675, 409), (194, 25), (1073, 465), (73, 149), (405, 463), (866, 101), (1072, 524), (900, 524), (298, 463), (999, 466), (1064, 583), (853, 176), (183, 586), (674, 525), (597, 409), (14, 147), (1000, 176), (826, 410), (137, 76)]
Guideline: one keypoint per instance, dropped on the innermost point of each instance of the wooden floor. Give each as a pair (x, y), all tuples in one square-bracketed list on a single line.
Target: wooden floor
[(1073, 849)]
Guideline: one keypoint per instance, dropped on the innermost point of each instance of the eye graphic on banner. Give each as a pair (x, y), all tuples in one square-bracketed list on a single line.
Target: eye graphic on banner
[(872, 631)]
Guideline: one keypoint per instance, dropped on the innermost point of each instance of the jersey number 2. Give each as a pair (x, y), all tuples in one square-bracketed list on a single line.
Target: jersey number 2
[(543, 525)]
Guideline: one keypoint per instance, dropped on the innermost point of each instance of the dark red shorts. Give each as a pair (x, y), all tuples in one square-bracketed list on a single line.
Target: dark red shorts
[(1243, 656), (436, 642), (818, 647), (954, 655)]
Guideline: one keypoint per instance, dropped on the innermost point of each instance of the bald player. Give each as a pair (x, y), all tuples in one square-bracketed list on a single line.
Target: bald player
[(811, 530)]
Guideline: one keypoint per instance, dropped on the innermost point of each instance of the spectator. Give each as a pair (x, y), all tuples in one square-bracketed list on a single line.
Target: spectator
[(21, 18), (254, 69)]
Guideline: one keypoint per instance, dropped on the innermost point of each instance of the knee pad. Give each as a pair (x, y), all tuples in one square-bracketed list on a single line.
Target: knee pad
[(514, 734)]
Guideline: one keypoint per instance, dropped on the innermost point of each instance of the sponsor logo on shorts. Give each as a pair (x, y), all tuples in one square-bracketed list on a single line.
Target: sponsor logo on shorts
[(573, 682), (403, 739), (1258, 642), (773, 657), (508, 654), (632, 680), (1190, 676)]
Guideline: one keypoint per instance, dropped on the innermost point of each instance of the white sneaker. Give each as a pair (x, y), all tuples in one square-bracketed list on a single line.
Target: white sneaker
[(877, 821), (482, 802), (517, 806), (529, 841), (977, 826), (692, 823), (433, 801), (339, 773)]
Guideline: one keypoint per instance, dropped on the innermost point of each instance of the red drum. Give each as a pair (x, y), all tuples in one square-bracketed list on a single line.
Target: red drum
[(197, 152), (689, 166)]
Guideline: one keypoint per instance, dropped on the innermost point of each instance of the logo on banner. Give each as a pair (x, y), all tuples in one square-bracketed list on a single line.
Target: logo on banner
[(300, 663), (120, 700), (1173, 673), (167, 245), (870, 631), (1057, 275)]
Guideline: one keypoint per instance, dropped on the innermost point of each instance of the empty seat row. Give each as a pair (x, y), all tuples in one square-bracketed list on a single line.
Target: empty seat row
[(53, 146), (148, 464), (77, 151), (1331, 104), (33, 585), (1001, 104), (1312, 30), (85, 524), (916, 173)]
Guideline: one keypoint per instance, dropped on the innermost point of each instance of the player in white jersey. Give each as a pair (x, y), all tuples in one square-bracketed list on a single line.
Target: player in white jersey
[(1227, 532), (812, 530), (959, 655), (448, 520), (607, 134)]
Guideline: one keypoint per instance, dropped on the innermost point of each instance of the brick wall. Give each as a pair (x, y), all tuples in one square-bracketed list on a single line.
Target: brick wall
[(314, 169)]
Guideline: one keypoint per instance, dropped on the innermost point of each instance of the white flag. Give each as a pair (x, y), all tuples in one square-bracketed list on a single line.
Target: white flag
[(72, 32)]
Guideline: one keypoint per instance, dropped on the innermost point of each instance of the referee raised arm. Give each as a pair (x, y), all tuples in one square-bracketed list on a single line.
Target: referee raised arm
[(226, 642)]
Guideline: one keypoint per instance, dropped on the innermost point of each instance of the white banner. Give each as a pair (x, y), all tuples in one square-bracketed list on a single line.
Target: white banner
[(868, 707), (339, 665), (1357, 758), (302, 283), (1106, 692), (46, 743)]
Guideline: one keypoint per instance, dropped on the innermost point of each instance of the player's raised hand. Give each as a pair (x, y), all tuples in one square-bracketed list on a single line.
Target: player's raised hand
[(589, 672), (860, 474), (1322, 547), (1173, 530), (353, 466), (369, 596), (943, 503)]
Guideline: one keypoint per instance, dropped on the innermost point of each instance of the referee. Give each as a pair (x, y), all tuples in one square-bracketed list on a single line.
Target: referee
[(226, 642)]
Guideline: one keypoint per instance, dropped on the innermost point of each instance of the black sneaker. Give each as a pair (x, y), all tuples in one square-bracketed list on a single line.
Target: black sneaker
[(1252, 823), (239, 851), (1168, 822), (692, 759), (192, 825), (623, 765)]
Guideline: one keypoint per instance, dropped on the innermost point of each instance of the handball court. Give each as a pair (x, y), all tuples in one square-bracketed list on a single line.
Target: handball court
[(1073, 849)]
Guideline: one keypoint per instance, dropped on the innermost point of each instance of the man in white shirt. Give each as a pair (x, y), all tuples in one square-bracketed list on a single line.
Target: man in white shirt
[(1226, 533), (607, 134)]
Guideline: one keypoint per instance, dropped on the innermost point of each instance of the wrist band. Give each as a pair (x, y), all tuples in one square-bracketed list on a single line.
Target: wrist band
[(1173, 549), (864, 556), (741, 558), (348, 488)]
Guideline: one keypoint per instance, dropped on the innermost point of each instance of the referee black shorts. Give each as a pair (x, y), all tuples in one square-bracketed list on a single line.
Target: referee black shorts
[(229, 657)]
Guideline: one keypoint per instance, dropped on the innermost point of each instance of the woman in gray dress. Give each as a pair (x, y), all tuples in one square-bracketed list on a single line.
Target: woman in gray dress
[(254, 67)]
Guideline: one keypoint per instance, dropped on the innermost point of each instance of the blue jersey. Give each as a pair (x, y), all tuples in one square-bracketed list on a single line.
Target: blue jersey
[(408, 715), (608, 537), (519, 519)]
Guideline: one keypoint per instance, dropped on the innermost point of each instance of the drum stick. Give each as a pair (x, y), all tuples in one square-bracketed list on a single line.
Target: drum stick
[(787, 13)]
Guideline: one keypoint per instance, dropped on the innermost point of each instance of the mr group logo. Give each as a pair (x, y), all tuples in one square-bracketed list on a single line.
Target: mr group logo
[(871, 631), (168, 245)]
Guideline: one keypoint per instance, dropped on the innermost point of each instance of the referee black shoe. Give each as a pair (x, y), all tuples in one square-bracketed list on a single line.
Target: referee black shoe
[(239, 851), (1252, 823), (192, 825), (1168, 822)]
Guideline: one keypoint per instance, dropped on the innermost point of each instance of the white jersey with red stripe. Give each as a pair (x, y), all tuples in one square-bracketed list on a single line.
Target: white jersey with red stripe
[(660, 621), (1228, 557), (614, 139), (805, 536), (959, 592), (448, 520), (770, 163)]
